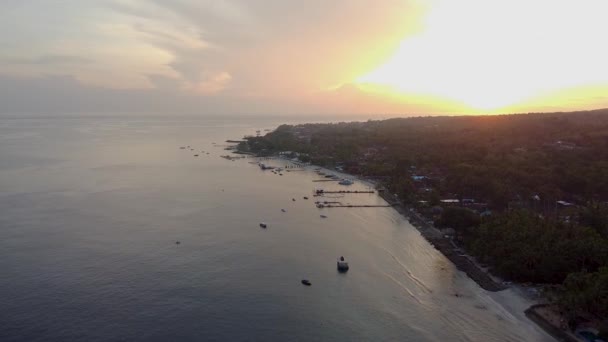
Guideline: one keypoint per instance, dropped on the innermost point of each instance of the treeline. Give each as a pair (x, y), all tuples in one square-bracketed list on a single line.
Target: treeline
[(522, 246), (498, 159)]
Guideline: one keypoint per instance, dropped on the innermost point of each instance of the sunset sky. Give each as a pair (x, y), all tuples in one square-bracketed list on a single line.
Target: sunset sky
[(389, 57)]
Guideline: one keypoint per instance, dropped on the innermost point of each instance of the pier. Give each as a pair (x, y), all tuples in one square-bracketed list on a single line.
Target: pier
[(321, 192), (321, 205)]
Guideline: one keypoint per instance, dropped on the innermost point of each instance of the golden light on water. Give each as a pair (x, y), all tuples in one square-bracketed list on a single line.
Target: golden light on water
[(492, 55)]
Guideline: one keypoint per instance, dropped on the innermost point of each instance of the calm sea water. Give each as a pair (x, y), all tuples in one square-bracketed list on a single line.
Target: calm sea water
[(91, 208)]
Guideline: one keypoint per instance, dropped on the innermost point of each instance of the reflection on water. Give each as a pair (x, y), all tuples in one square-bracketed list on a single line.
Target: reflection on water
[(91, 209)]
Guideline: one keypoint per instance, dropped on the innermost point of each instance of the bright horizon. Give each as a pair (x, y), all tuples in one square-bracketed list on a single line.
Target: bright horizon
[(343, 57)]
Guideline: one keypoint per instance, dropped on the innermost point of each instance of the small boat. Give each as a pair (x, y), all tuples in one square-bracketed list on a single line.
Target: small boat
[(263, 225), (305, 197), (342, 265), (196, 155), (346, 182), (177, 242), (306, 282), (283, 210), (293, 199), (182, 148), (323, 216)]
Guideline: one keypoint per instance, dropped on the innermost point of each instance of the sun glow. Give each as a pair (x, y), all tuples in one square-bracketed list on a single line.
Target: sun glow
[(490, 55)]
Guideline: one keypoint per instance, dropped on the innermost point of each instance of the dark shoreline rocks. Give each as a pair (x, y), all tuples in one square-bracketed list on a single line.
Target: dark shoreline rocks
[(547, 326)]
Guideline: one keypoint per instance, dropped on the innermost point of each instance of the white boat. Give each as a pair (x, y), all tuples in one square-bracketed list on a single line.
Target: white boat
[(346, 182), (342, 265)]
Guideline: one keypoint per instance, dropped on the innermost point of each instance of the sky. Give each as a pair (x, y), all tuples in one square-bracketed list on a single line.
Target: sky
[(287, 57)]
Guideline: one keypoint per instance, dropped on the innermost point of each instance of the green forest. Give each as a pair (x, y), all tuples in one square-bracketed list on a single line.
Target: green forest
[(526, 194)]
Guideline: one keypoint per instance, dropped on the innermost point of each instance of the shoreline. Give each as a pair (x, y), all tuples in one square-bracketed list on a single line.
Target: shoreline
[(462, 261), (538, 314), (472, 270), (444, 245), (431, 234)]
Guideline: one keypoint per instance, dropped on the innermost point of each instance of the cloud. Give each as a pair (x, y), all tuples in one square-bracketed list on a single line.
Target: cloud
[(177, 28), (63, 94), (165, 82), (213, 84), (275, 55), (50, 60)]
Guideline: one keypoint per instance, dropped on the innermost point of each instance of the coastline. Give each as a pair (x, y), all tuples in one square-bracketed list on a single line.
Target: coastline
[(431, 234), (481, 277), (535, 312), (541, 315), (462, 261), (444, 245)]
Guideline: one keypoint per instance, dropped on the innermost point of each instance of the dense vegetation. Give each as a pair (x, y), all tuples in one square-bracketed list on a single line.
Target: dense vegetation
[(525, 247), (500, 159), (585, 292), (527, 193)]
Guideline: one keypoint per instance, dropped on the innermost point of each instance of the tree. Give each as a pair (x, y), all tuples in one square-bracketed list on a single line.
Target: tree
[(458, 218), (595, 215), (585, 292)]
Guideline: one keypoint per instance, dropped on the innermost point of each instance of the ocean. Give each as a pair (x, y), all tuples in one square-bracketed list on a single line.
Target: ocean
[(91, 208)]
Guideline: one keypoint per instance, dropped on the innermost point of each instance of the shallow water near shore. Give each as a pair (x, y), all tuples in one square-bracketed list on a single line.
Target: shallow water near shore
[(91, 209)]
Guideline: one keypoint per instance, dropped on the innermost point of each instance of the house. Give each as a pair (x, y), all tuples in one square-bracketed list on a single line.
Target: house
[(565, 204)]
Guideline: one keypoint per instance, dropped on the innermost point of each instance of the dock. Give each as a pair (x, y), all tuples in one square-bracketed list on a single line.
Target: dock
[(321, 192), (320, 205)]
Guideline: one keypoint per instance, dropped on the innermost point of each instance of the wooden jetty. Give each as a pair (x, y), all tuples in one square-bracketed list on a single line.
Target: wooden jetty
[(320, 205), (320, 192)]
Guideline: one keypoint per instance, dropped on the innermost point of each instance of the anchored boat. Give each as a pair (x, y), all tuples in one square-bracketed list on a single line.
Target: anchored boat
[(342, 265)]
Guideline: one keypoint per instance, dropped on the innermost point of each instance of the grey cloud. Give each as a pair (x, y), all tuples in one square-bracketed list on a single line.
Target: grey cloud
[(182, 28), (164, 82), (64, 95), (223, 22), (50, 60)]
